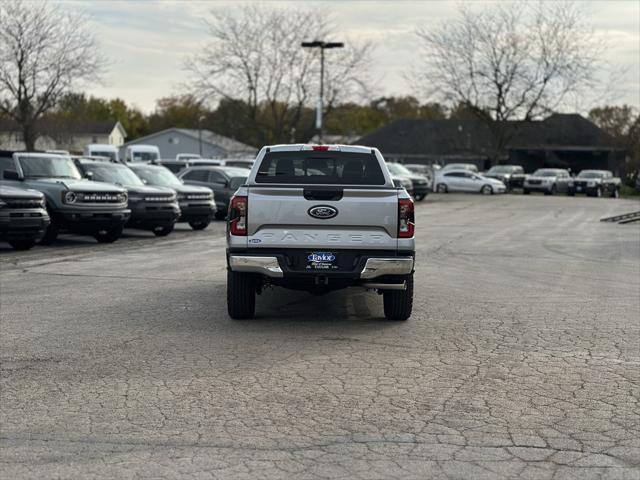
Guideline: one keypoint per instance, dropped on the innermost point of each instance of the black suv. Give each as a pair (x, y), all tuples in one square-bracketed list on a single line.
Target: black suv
[(196, 203), (511, 175), (23, 217), (224, 181), (152, 208)]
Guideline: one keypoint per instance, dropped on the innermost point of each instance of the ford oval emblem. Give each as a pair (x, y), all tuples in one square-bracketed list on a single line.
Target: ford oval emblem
[(323, 212)]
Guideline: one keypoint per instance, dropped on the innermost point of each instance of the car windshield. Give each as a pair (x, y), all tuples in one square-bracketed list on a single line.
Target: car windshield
[(397, 169), (101, 153), (545, 173), (590, 174), (320, 167), (34, 166), (157, 176), (501, 169), (144, 156), (112, 173)]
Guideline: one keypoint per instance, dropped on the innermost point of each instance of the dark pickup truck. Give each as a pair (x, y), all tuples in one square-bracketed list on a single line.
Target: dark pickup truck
[(23, 217), (595, 183)]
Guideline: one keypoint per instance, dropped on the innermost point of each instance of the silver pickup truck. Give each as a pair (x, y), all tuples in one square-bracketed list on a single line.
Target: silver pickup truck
[(320, 218)]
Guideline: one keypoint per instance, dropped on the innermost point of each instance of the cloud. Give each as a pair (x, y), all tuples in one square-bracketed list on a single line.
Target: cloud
[(147, 42)]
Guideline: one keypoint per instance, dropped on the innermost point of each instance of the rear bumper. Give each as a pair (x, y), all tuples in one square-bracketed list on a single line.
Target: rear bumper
[(276, 266)]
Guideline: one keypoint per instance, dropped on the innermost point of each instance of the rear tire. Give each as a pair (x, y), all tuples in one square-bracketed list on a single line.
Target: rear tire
[(109, 236), (163, 231), (241, 295), (442, 188), (420, 197), (23, 244), (199, 225), (398, 304), (50, 235), (486, 190)]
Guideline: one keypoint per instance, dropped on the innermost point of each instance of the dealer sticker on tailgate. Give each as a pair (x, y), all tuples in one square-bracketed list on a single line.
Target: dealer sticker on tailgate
[(321, 261)]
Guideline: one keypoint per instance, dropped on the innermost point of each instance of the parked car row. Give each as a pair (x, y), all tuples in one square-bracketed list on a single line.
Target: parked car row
[(505, 178), (43, 195)]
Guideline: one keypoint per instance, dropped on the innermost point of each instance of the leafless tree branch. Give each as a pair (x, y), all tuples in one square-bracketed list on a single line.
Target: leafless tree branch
[(45, 52)]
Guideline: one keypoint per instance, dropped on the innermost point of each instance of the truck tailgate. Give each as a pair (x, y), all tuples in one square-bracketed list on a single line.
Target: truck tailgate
[(280, 217)]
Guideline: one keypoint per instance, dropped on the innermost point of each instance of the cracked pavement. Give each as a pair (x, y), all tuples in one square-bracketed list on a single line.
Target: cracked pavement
[(521, 360)]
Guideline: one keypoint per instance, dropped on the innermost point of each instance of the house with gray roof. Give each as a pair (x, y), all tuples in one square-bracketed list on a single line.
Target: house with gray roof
[(206, 143), (560, 141)]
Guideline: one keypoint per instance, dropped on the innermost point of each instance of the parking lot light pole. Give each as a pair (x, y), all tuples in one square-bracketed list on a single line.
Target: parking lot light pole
[(200, 120), (322, 46)]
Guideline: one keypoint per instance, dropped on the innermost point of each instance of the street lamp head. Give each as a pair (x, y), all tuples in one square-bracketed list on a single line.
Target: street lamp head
[(321, 44), (314, 44)]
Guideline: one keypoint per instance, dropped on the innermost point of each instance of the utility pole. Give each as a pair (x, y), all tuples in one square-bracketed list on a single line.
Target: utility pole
[(322, 45), (200, 120)]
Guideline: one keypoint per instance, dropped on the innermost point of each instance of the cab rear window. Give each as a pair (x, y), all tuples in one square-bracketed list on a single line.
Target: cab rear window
[(314, 167)]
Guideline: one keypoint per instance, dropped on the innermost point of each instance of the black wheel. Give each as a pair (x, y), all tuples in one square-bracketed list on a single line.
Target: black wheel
[(199, 225), (486, 190), (241, 295), (442, 188), (525, 191), (22, 244), (420, 197), (50, 235), (163, 231), (110, 235), (221, 214), (399, 303)]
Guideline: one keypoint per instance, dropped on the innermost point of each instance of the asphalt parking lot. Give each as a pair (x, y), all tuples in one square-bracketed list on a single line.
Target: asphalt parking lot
[(521, 360)]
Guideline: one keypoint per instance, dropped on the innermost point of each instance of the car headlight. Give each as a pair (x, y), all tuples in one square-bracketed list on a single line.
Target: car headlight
[(2, 203), (69, 197), (571, 184), (122, 197)]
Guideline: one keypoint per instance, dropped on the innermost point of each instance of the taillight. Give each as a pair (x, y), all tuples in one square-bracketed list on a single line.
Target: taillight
[(406, 219), (238, 215)]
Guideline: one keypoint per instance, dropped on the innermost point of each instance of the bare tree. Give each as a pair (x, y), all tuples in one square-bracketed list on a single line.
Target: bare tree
[(511, 61), (254, 55), (44, 53)]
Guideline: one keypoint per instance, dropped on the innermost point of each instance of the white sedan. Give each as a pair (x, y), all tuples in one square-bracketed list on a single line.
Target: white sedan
[(467, 181)]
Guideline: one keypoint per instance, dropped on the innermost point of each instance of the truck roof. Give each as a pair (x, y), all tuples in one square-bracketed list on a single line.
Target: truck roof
[(307, 146)]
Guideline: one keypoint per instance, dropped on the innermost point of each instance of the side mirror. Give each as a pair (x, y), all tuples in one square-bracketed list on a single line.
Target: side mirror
[(89, 175), (144, 181), (11, 175)]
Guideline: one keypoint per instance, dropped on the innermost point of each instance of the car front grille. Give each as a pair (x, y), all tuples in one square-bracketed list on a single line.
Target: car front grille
[(23, 203), (101, 197)]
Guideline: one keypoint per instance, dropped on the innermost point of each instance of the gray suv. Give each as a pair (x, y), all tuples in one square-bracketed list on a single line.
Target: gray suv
[(74, 204), (23, 217)]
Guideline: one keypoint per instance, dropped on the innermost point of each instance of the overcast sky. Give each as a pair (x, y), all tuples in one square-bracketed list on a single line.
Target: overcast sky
[(146, 41)]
